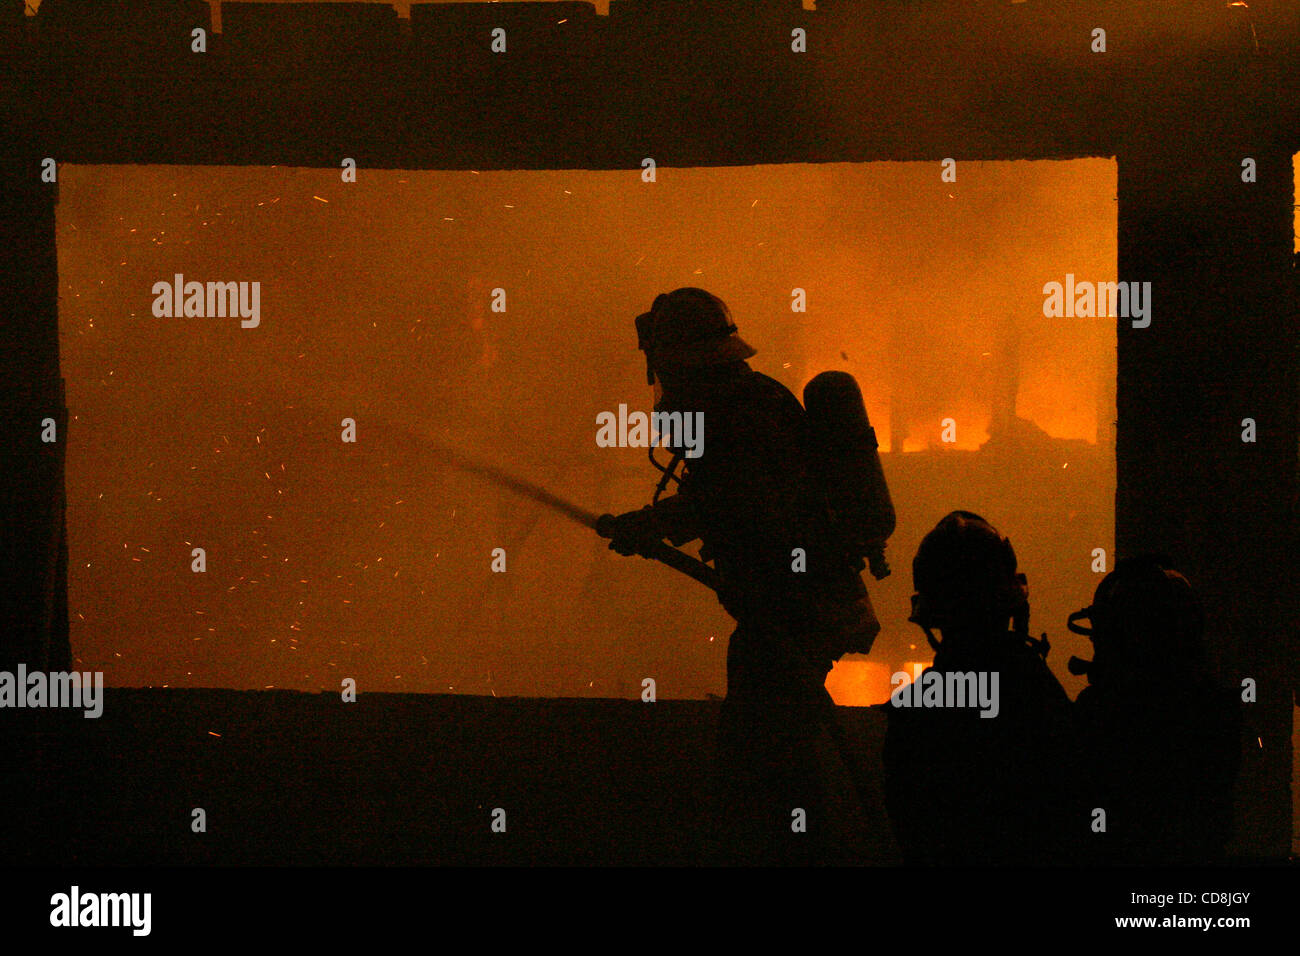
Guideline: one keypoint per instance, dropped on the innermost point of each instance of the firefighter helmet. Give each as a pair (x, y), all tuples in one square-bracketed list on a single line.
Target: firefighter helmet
[(689, 328), (1145, 617), (965, 573)]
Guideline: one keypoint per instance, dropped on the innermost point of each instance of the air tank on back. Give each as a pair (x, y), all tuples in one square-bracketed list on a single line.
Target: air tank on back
[(846, 458)]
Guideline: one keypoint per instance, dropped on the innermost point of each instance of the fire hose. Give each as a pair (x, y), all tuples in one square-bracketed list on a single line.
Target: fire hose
[(659, 551)]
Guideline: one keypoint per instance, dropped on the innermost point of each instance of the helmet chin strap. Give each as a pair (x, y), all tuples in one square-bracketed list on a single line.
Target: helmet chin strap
[(1019, 626), (933, 641), (923, 619)]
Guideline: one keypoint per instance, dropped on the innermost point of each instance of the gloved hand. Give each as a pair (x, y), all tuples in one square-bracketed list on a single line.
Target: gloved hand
[(632, 532)]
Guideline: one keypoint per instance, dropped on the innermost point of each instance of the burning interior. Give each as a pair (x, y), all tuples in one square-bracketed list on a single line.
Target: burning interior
[(372, 560)]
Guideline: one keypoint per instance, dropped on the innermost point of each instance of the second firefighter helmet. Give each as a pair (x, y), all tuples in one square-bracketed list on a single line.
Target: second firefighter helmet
[(1144, 619), (965, 577)]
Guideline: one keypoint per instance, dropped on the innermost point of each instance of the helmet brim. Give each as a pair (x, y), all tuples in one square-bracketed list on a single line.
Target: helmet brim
[(701, 354)]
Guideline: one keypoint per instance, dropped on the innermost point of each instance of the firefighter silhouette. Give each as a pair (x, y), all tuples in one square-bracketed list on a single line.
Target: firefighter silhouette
[(963, 788), (786, 543), (1161, 739)]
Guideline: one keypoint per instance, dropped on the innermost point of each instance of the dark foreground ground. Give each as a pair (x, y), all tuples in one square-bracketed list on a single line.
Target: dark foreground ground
[(298, 778)]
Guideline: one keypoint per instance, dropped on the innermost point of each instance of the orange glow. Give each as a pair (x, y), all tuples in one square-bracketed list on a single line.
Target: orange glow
[(913, 670), (1295, 175), (970, 430), (378, 306), (853, 682), (858, 683)]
